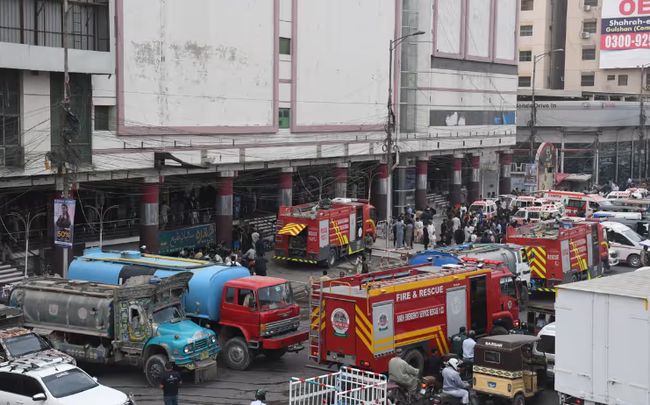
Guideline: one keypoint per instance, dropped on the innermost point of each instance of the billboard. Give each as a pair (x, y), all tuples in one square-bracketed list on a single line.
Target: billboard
[(63, 222), (188, 238), (625, 34), (530, 176)]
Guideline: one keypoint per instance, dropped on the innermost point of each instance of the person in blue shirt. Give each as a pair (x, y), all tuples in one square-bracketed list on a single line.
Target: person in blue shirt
[(169, 384)]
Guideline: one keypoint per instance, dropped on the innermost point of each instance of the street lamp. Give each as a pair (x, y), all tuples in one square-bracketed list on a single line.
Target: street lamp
[(388, 147), (100, 213), (533, 115), (27, 222)]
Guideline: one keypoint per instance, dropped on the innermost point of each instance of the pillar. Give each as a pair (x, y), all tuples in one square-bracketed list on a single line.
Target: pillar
[(149, 213), (286, 187), (380, 194), (474, 187), (456, 180), (224, 208), (421, 172), (505, 184), (340, 182)]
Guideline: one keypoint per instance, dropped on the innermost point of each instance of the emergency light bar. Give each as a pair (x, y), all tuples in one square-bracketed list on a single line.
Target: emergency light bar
[(474, 260)]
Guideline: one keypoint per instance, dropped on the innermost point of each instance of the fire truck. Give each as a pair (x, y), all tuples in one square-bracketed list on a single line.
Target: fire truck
[(360, 320), (562, 253), (325, 231)]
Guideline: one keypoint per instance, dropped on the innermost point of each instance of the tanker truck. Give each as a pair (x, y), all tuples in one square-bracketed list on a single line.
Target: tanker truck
[(141, 323), (252, 315)]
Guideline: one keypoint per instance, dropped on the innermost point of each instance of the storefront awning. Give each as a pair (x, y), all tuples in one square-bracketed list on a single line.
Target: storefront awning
[(292, 229)]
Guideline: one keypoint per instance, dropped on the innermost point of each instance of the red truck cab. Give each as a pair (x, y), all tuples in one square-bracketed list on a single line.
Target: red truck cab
[(259, 315)]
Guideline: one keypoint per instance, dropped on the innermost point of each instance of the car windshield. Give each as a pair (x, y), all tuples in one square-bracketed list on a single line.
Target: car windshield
[(172, 313), (25, 344), (633, 236), (475, 208), (68, 383), (274, 297)]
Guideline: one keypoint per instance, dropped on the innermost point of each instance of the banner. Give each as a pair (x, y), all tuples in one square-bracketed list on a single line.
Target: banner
[(530, 177), (624, 34), (188, 238), (63, 222)]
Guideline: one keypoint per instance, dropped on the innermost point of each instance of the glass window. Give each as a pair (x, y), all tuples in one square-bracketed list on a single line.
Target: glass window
[(492, 357), (525, 81), (9, 383), (576, 204), (508, 287), (285, 46), (590, 26), (25, 344), (169, 314), (588, 53), (611, 78), (68, 383), (246, 298), (10, 151), (525, 56), (527, 5), (533, 215), (622, 80), (526, 31), (31, 386), (230, 295), (277, 296), (587, 80), (285, 118), (546, 345), (592, 3), (101, 117)]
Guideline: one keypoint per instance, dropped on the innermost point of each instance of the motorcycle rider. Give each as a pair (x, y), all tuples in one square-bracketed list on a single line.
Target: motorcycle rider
[(260, 397), (401, 373), (452, 383)]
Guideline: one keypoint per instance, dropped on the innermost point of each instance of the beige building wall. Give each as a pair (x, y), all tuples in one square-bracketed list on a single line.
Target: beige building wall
[(540, 19)]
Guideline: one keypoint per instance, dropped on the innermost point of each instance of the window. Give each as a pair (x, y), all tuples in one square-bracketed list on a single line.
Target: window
[(647, 78), (524, 81), (533, 215), (10, 154), (525, 56), (68, 383), (526, 31), (592, 3), (618, 238), (546, 344), (246, 298), (101, 117), (587, 80), (492, 357), (579, 204), (622, 80), (230, 295), (285, 46), (20, 385), (590, 26), (285, 118), (588, 53), (611, 78), (508, 287), (527, 5)]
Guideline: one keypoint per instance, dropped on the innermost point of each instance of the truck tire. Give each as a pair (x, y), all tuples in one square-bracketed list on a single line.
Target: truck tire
[(154, 369), (415, 358), (332, 257), (519, 399), (634, 260), (523, 298), (238, 355), (498, 330), (274, 354)]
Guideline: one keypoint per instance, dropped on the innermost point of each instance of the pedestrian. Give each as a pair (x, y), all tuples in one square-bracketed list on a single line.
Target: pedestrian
[(169, 384), (325, 277), (457, 341), (425, 237), (255, 235), (432, 233), (455, 223), (399, 233), (260, 249), (419, 225), (369, 242), (408, 239), (364, 265), (459, 236), (259, 266)]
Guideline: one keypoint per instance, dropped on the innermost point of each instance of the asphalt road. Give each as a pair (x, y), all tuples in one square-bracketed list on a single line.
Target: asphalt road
[(238, 387)]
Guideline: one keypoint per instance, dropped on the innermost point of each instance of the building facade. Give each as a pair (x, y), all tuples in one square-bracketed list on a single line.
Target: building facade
[(248, 104)]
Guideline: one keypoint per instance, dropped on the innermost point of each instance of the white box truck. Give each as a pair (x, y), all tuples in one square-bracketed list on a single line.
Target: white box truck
[(602, 350)]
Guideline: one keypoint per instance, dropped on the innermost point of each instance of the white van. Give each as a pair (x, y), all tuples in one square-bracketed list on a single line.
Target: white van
[(546, 347), (577, 202), (625, 241), (536, 214), (488, 207)]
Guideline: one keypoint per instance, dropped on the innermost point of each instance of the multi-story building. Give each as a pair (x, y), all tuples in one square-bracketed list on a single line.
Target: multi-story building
[(246, 104), (590, 113)]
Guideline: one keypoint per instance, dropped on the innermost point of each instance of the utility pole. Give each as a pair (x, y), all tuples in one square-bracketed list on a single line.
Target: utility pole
[(65, 194), (27, 222), (533, 107)]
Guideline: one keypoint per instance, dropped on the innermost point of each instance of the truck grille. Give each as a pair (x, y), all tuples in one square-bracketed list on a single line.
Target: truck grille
[(285, 325), (201, 345)]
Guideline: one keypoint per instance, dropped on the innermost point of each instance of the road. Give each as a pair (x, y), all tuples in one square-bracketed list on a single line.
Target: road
[(238, 387)]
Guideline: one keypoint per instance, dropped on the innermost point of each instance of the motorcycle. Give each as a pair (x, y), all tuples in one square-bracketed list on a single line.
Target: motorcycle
[(398, 395), (446, 399), (464, 369)]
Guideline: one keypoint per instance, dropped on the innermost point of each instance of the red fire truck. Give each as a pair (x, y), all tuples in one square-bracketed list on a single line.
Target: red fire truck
[(360, 320), (325, 231), (562, 253)]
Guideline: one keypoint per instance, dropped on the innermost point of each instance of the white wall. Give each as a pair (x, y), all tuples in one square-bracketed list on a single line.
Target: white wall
[(506, 26), (35, 126)]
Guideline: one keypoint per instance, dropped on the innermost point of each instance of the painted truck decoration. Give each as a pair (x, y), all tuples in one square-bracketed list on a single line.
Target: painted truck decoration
[(323, 232), (252, 315), (360, 320), (139, 323)]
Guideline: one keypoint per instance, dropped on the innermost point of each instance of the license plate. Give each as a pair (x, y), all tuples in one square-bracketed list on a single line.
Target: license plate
[(205, 355), (422, 391), (492, 384)]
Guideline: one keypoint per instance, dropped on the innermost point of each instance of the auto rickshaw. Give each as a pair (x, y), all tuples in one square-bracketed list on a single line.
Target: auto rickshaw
[(506, 368)]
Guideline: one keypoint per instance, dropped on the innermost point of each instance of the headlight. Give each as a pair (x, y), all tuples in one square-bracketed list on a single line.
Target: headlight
[(187, 349), (213, 339)]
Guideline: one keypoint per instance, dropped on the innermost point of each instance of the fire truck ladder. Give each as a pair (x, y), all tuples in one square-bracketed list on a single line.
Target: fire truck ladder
[(315, 309)]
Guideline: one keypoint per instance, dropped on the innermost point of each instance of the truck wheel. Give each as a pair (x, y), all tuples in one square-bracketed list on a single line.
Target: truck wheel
[(498, 330), (331, 258), (523, 298), (275, 354), (154, 369), (238, 355), (519, 399), (415, 358), (634, 260)]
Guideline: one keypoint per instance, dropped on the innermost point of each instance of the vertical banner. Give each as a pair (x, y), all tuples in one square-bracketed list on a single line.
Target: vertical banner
[(530, 178), (63, 222)]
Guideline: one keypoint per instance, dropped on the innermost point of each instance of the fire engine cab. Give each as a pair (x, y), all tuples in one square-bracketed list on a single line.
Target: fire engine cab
[(325, 231), (360, 320)]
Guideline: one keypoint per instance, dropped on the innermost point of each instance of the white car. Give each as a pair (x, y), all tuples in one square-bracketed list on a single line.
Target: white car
[(53, 383)]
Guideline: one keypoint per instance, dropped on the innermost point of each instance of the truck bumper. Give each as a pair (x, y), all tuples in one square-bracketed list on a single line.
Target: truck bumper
[(201, 364), (285, 340)]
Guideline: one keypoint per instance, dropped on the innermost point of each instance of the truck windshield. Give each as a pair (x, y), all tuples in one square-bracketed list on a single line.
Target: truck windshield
[(274, 297), (25, 344), (633, 236), (68, 383), (172, 313)]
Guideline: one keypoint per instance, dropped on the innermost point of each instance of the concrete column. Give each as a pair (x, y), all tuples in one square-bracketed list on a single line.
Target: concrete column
[(340, 182), (380, 190), (286, 187), (225, 208), (149, 213), (505, 184), (456, 180), (474, 187), (421, 171)]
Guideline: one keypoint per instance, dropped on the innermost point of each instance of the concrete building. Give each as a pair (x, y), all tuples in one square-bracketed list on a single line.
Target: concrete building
[(252, 102)]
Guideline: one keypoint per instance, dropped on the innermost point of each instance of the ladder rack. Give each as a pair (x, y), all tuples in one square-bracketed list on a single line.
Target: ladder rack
[(316, 308)]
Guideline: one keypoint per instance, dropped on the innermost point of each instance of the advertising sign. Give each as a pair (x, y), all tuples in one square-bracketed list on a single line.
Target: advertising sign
[(625, 34), (188, 238), (63, 222), (530, 177)]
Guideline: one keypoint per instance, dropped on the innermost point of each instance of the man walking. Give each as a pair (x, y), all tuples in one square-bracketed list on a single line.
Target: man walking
[(169, 384)]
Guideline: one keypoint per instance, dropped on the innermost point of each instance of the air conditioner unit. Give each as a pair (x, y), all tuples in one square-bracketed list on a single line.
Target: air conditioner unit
[(647, 86), (585, 35), (587, 7)]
